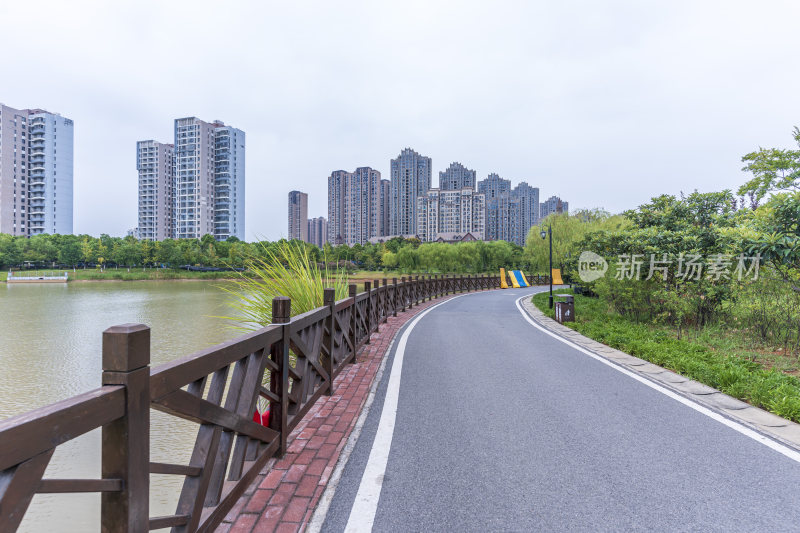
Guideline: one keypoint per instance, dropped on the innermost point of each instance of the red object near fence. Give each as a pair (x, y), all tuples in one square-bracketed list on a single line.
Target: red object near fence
[(261, 418)]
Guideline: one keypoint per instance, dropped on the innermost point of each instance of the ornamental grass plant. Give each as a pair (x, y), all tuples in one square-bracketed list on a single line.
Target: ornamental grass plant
[(284, 270)]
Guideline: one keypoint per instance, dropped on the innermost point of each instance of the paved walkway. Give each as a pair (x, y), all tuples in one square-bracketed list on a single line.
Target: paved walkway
[(285, 494), (484, 422)]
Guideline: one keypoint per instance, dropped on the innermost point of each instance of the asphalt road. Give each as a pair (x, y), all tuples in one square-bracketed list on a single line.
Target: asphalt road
[(500, 427)]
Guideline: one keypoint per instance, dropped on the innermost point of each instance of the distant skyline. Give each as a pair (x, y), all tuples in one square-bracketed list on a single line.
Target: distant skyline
[(603, 104)]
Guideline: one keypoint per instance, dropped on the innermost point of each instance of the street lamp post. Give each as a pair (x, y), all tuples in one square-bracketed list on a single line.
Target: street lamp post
[(543, 235)]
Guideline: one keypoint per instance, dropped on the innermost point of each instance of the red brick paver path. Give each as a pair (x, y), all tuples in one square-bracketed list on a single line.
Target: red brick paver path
[(285, 494)]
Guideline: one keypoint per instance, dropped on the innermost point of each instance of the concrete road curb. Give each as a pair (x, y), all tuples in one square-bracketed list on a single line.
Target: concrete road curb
[(784, 431)]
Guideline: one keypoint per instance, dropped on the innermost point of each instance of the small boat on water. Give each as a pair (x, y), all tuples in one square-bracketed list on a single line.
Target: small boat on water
[(16, 278)]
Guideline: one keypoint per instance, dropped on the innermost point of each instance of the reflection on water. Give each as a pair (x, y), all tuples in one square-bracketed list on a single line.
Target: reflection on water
[(50, 349)]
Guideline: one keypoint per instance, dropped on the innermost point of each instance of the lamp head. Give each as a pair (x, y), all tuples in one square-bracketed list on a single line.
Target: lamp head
[(543, 234)]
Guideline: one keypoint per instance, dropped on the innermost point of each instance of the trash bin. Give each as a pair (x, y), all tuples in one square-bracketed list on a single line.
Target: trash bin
[(565, 308)]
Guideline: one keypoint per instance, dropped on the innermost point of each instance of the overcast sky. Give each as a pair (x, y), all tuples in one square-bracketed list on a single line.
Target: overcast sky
[(603, 103)]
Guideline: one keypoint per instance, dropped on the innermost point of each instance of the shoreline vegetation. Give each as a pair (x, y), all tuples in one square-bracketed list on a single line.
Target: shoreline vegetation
[(174, 274)]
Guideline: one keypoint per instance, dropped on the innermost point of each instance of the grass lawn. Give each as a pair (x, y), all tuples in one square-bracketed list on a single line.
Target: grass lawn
[(369, 275), (148, 274), (728, 361)]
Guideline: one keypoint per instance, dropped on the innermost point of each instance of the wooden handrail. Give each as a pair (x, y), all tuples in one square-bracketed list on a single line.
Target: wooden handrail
[(290, 363)]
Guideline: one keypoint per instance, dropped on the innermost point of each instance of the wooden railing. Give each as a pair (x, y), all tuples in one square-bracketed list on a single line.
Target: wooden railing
[(290, 363)]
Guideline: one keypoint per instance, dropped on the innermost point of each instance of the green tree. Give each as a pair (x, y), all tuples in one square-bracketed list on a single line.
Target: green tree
[(87, 251), (9, 253), (773, 169), (568, 231), (408, 259), (389, 259), (70, 253), (776, 236)]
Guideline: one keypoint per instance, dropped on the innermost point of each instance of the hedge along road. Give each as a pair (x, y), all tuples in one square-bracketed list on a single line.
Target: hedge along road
[(500, 426)]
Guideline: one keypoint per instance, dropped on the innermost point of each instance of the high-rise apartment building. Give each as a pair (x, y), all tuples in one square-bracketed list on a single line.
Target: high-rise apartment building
[(13, 171), (554, 204), (207, 182), (451, 211), (386, 218), (318, 231), (229, 186), (298, 216), (362, 206), (336, 200), (36, 171), (194, 178), (524, 211), (155, 162), (498, 203), (411, 178), (354, 206), (456, 177)]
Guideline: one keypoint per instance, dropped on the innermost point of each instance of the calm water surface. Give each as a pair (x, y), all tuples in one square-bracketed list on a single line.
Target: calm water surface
[(50, 349)]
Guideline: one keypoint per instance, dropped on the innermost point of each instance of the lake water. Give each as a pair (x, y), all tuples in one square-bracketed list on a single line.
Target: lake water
[(50, 349)]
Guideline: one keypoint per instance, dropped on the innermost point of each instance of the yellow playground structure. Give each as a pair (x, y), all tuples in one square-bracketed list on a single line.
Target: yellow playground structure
[(518, 279)]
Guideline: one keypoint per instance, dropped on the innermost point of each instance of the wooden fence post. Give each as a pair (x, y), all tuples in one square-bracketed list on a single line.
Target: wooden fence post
[(378, 305), (404, 290), (385, 300), (279, 418), (394, 300), (368, 318), (353, 321), (329, 300), (126, 441)]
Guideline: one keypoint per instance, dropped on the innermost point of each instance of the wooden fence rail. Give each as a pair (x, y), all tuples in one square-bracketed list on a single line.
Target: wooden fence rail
[(290, 364)]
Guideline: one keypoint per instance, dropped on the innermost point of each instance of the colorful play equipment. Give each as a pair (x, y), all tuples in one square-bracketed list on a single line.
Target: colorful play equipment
[(518, 279), (503, 282), (557, 277)]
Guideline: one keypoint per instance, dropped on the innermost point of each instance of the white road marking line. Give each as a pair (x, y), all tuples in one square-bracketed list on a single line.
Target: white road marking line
[(744, 430), (362, 514)]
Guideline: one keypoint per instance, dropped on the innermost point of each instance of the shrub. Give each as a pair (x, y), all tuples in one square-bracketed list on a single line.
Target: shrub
[(284, 270)]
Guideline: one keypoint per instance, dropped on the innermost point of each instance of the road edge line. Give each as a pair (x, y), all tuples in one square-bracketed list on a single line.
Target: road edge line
[(323, 506), (365, 505), (718, 417)]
